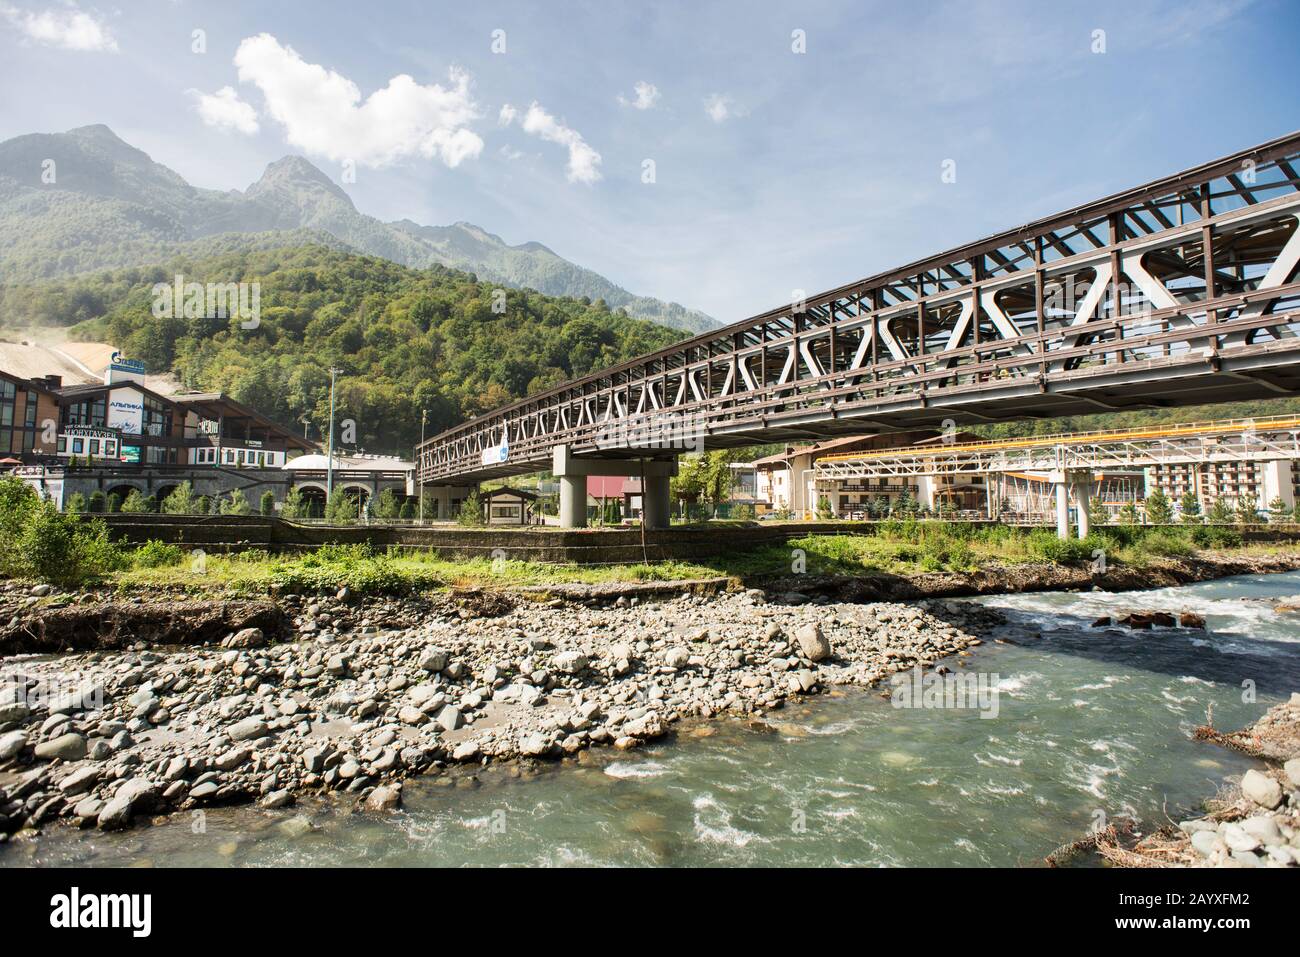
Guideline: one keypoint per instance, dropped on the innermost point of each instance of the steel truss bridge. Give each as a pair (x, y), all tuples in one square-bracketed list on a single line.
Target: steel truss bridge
[(1178, 292), (1235, 440)]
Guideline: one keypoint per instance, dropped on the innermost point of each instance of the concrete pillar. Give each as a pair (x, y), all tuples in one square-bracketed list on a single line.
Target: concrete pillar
[(1082, 499), (925, 491), (656, 502), (573, 501), (1062, 509)]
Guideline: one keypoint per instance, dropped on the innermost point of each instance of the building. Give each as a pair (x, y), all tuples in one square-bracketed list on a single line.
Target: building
[(786, 481), (29, 415), (1264, 482), (509, 506)]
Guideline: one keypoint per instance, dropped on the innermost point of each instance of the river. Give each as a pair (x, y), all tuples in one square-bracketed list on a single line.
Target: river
[(1090, 724)]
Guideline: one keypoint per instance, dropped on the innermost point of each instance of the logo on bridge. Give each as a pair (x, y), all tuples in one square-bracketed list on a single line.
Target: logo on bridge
[(496, 454)]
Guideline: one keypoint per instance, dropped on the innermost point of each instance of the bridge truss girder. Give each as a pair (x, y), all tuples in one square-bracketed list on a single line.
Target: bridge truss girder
[(1175, 293)]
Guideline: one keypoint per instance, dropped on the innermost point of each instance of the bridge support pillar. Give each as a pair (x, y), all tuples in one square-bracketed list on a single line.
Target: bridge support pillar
[(1062, 506), (1082, 499), (573, 501), (656, 502), (573, 471)]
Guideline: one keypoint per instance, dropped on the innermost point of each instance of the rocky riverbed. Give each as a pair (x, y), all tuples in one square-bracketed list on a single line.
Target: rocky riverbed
[(1254, 822), (361, 694)]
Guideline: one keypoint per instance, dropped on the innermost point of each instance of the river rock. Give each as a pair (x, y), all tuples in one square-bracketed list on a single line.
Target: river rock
[(246, 638), (115, 815), (534, 745), (812, 643), (677, 658), (15, 712), (12, 744), (79, 780), (1291, 769), (1261, 789), (66, 747), (449, 718), (570, 662), (434, 660), (384, 799), (247, 730)]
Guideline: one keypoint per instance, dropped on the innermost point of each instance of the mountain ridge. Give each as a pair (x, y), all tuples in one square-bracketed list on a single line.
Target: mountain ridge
[(111, 206)]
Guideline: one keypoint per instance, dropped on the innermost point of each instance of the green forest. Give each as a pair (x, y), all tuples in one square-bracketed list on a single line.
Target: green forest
[(405, 340)]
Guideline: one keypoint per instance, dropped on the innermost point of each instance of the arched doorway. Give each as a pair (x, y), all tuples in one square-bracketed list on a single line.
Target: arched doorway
[(313, 497)]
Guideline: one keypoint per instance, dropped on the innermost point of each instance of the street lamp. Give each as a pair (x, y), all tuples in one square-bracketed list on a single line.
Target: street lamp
[(329, 465), (424, 417)]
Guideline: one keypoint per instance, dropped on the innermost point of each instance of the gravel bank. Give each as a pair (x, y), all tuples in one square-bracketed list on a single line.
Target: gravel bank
[(363, 694)]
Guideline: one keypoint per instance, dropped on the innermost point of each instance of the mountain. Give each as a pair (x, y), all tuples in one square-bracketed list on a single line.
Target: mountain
[(110, 206)]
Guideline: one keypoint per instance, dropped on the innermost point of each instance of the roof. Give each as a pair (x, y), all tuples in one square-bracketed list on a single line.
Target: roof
[(217, 404), (318, 462), (510, 493)]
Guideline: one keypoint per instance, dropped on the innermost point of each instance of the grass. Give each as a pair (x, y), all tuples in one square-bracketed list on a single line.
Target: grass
[(894, 547)]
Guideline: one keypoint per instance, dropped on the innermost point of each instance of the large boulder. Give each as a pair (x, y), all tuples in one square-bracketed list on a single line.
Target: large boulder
[(66, 747), (812, 643), (570, 662), (1261, 789)]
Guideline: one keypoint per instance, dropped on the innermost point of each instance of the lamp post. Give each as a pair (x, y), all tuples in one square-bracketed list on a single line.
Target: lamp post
[(329, 453), (424, 417)]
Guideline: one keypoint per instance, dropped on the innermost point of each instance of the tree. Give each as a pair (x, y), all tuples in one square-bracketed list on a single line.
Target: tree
[(471, 511), (1160, 511), (1097, 513), (293, 506), (181, 501), (1220, 512), (1191, 508), (267, 505), (1247, 510), (134, 503), (408, 510), (340, 508), (98, 503), (114, 503), (387, 507), (1128, 515), (1278, 512), (76, 503)]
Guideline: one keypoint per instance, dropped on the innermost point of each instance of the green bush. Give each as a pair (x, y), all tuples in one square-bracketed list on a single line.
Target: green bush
[(340, 508), (294, 505), (236, 504), (114, 503), (471, 511), (98, 502), (76, 503), (181, 501), (1167, 542), (61, 548), (17, 501), (1216, 536), (267, 505), (135, 503), (156, 554)]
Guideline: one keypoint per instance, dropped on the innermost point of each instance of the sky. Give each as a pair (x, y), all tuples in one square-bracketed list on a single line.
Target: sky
[(721, 155)]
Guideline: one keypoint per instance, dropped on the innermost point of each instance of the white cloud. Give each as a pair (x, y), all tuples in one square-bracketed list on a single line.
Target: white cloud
[(225, 110), (719, 107), (584, 162), (647, 95), (507, 115), (322, 111), (71, 29)]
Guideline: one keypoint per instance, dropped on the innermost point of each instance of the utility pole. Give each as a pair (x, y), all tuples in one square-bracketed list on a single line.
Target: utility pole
[(329, 465), (424, 417)]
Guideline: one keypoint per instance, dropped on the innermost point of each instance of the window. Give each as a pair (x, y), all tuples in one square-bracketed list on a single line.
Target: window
[(78, 446), (110, 448), (94, 446)]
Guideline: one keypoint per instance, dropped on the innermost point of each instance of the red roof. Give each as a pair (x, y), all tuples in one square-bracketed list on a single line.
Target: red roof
[(605, 486)]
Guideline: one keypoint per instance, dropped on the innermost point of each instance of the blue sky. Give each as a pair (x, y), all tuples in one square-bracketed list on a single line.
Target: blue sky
[(774, 170)]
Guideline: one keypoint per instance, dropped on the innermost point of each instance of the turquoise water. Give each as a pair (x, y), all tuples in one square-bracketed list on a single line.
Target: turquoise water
[(1090, 723)]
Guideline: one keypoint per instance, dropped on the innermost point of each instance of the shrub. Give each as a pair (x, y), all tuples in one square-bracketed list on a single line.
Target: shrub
[(267, 504), (156, 554), (61, 548), (237, 504), (1191, 508), (408, 510), (98, 502), (1216, 536), (114, 503), (135, 503), (1160, 511), (17, 501), (1167, 542), (76, 503)]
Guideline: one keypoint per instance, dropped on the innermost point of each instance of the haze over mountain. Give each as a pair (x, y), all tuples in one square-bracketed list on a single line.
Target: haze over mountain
[(105, 204)]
